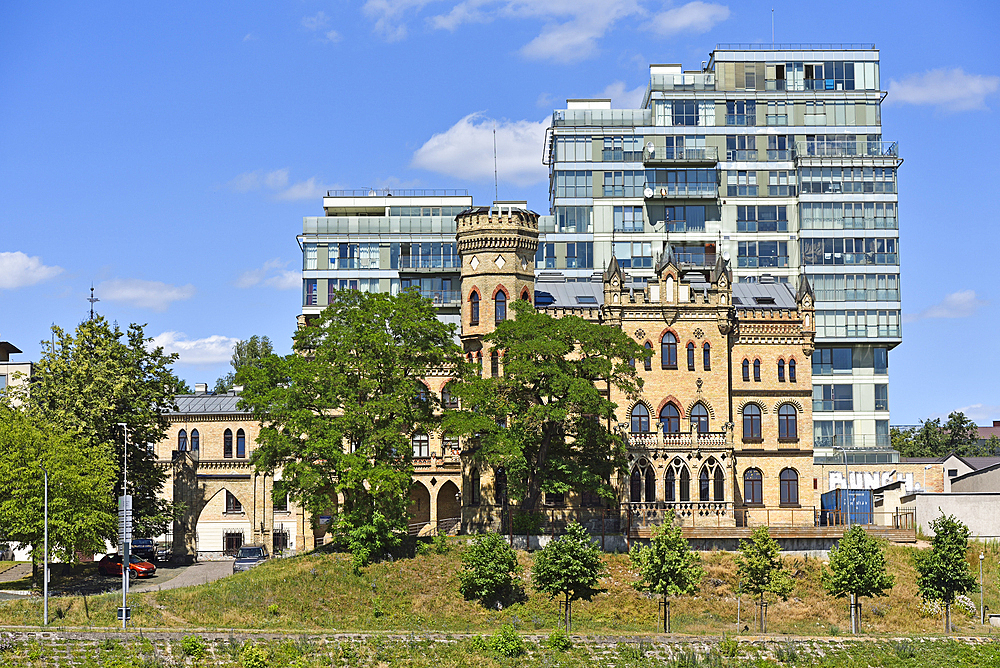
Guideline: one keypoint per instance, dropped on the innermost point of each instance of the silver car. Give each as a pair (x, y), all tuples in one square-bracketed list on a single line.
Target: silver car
[(249, 556)]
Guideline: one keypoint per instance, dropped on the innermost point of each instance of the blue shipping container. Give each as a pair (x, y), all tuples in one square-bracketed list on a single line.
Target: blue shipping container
[(846, 506)]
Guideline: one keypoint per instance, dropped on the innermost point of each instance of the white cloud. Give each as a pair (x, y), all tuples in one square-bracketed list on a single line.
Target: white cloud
[(144, 294), (465, 151), (693, 17), (952, 90), (309, 189), (315, 22), (272, 274), (960, 304), (333, 36), (575, 39), (249, 37), (388, 16), (980, 413), (210, 350), (18, 270), (624, 99), (258, 179)]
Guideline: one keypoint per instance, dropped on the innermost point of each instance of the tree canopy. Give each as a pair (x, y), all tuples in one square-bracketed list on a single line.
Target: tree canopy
[(759, 566), (547, 418), (338, 413), (90, 381), (245, 353), (943, 572), (570, 565), (857, 568), (934, 439), (667, 566), (490, 572)]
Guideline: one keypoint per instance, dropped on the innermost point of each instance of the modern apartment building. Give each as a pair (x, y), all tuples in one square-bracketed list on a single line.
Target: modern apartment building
[(771, 155)]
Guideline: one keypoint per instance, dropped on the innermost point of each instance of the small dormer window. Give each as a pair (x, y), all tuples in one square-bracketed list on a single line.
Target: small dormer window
[(764, 301)]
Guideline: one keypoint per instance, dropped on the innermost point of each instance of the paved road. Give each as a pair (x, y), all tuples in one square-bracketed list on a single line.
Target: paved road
[(185, 576)]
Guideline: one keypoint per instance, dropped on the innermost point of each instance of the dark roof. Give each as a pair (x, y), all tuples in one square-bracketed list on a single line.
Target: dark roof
[(201, 404), (6, 350), (763, 296), (979, 470), (555, 293)]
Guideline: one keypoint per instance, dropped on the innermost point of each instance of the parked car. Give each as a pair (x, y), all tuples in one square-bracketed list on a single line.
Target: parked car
[(249, 556), (111, 564), (164, 553), (143, 547)]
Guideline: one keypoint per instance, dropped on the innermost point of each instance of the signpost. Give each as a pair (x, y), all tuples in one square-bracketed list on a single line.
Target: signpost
[(125, 532)]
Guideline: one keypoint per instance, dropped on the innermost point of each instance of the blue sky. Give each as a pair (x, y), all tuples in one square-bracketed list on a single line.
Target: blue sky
[(167, 153)]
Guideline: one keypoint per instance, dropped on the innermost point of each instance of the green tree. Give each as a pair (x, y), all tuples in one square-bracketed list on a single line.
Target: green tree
[(667, 566), (570, 565), (934, 439), (943, 572), (547, 418), (857, 568), (490, 572), (94, 379), (760, 569), (82, 509), (245, 353), (338, 413)]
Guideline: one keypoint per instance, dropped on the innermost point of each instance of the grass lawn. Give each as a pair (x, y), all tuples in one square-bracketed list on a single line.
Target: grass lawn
[(318, 592)]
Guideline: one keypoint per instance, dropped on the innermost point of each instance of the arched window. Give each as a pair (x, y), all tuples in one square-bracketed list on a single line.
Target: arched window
[(756, 371), (753, 487), (635, 486), (746, 371), (227, 444), (699, 418), (789, 480), (182, 440), (788, 419), (475, 488), (195, 440), (650, 485), (448, 400), (494, 363), (241, 444), (640, 419), (670, 417), (711, 481), (791, 371), (525, 296), (474, 308), (500, 306), (720, 484), (479, 363), (685, 487), (668, 351), (781, 371), (421, 392), (690, 352), (649, 356), (677, 471), (706, 356), (421, 445), (751, 421), (704, 485)]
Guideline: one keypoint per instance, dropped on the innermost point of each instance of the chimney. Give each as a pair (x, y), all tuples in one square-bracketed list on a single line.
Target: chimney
[(201, 388)]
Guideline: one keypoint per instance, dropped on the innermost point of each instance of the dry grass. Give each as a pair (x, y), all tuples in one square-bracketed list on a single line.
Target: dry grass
[(320, 592)]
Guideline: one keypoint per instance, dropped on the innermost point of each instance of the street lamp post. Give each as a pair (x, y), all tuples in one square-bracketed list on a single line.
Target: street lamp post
[(45, 571), (125, 538), (982, 610)]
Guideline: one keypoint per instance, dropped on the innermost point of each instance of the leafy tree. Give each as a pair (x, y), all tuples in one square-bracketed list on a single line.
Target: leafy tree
[(82, 509), (545, 419), (934, 439), (94, 379), (570, 565), (667, 566), (337, 414), (245, 353), (943, 572), (490, 571), (760, 569), (857, 568)]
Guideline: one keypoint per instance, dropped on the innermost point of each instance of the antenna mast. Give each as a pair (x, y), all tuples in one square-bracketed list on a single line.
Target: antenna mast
[(496, 180), (92, 299), (772, 25)]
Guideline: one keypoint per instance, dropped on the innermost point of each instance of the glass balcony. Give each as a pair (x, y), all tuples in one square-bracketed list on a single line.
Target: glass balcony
[(846, 149), (779, 154), (697, 259), (692, 81), (742, 155), (683, 190), (430, 262), (621, 118), (772, 261), (671, 155)]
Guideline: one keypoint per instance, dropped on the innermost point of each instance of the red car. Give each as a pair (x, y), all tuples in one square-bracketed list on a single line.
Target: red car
[(111, 564)]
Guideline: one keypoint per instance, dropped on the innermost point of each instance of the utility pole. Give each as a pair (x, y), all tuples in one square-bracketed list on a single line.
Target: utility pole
[(125, 536), (93, 300), (45, 572)]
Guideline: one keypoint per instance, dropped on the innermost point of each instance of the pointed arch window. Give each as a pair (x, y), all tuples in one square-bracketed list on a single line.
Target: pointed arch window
[(746, 371), (233, 504), (494, 363), (650, 485), (711, 482), (751, 422), (227, 444), (241, 444), (668, 351), (182, 440), (525, 296), (690, 356), (756, 371), (635, 486), (479, 363), (500, 306), (474, 308), (781, 371), (753, 487), (788, 419), (648, 362), (706, 356), (640, 419), (789, 482), (677, 482), (699, 417), (195, 440), (791, 371), (670, 418)]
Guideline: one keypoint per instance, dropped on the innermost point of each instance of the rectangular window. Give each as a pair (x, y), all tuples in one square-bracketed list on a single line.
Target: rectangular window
[(310, 296), (3, 382), (683, 218), (573, 149), (762, 254), (683, 182), (624, 184), (310, 254), (573, 184), (833, 397), (622, 149), (421, 445), (741, 183), (741, 112), (824, 180), (781, 184), (637, 254), (881, 397), (685, 112), (779, 147), (830, 361), (628, 218), (847, 216), (857, 324), (855, 287), (777, 113), (762, 219), (741, 147), (833, 433), (881, 360), (280, 502), (850, 251), (574, 219), (580, 255)]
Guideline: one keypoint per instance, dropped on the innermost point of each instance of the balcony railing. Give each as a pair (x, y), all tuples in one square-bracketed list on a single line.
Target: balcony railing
[(393, 192), (624, 118), (692, 81), (779, 154), (795, 46), (430, 262), (698, 259), (658, 440), (670, 155), (846, 149), (779, 261), (692, 190), (741, 155), (857, 295)]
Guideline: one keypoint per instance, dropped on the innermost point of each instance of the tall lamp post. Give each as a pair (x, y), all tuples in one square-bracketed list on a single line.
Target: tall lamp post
[(982, 610), (45, 571), (126, 511)]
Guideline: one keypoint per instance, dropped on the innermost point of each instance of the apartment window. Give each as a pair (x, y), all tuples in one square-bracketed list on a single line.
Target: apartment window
[(781, 371), (474, 308), (851, 251), (848, 180), (241, 444), (195, 440), (751, 422), (450, 443), (741, 147), (545, 256), (788, 426), (777, 113), (881, 397), (573, 149), (855, 287), (882, 438), (683, 218), (686, 146), (741, 112), (638, 254), (762, 219), (580, 255), (622, 149), (182, 441), (741, 183), (746, 371), (574, 219), (706, 356), (624, 184), (3, 381), (762, 254), (833, 397), (789, 482), (668, 351), (830, 433), (494, 364), (233, 504), (684, 112), (421, 445), (670, 418), (848, 216), (310, 255), (500, 306), (573, 184), (699, 417), (310, 296), (881, 360), (756, 371), (781, 184), (753, 487), (791, 371), (690, 356), (857, 324), (829, 361), (640, 419), (648, 362), (227, 444), (779, 147), (628, 219)]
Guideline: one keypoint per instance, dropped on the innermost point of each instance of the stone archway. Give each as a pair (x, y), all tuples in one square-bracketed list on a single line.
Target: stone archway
[(420, 507), (449, 507), (222, 520)]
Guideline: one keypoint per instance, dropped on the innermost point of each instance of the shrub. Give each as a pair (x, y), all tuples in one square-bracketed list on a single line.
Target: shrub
[(372, 542), (507, 642), (559, 641), (477, 643), (632, 651), (489, 571), (441, 545), (273, 610), (193, 646), (527, 523), (729, 646), (253, 656), (787, 653), (904, 649)]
